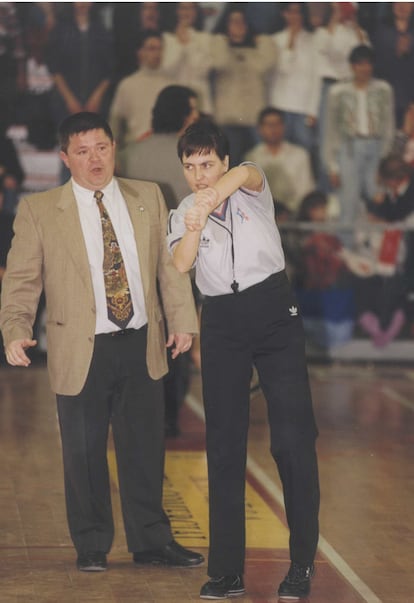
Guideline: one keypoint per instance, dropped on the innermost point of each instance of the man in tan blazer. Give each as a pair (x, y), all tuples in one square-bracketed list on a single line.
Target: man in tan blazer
[(102, 373)]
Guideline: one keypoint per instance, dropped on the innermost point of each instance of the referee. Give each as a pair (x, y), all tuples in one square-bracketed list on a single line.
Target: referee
[(226, 229)]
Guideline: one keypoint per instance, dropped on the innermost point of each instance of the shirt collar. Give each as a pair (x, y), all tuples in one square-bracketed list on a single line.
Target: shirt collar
[(85, 195)]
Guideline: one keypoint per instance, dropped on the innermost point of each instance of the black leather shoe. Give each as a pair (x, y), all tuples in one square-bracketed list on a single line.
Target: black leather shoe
[(224, 587), (92, 561), (296, 584), (172, 554)]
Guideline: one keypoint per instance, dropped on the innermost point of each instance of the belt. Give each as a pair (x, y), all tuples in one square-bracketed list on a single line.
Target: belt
[(118, 333), (276, 277)]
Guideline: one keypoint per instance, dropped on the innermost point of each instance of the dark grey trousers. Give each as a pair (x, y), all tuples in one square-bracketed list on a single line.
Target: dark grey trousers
[(118, 392)]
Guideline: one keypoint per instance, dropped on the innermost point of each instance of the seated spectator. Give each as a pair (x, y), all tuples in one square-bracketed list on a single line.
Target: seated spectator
[(287, 166), (241, 62), (394, 53), (130, 113), (404, 138), (395, 201), (360, 130), (174, 110), (384, 296), (323, 281), (294, 85), (187, 52), (129, 20)]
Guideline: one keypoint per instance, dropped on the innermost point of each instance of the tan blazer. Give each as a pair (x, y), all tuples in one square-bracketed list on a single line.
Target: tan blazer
[(48, 252)]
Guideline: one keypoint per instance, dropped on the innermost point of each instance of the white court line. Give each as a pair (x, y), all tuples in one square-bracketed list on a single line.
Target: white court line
[(276, 493), (391, 393)]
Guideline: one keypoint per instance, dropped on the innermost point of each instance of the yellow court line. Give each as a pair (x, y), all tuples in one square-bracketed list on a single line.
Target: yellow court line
[(186, 503)]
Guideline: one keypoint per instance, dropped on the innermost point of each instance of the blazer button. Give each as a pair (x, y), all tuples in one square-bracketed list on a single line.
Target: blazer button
[(141, 208)]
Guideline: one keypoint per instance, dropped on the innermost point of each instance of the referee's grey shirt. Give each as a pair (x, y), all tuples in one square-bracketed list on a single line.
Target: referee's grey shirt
[(246, 222)]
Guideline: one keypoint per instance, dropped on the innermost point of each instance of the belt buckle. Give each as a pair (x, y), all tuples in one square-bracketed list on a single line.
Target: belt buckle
[(120, 332)]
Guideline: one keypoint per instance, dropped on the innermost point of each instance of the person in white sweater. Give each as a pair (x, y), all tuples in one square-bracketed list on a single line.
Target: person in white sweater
[(187, 54), (294, 85), (131, 110), (241, 63)]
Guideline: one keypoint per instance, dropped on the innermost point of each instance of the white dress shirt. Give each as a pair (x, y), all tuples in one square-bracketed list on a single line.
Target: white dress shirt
[(92, 232)]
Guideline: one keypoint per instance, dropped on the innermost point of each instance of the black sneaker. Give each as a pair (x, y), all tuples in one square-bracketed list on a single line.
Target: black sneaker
[(296, 584), (92, 561), (224, 587)]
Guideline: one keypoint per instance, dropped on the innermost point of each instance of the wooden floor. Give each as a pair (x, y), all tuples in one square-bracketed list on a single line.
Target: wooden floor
[(366, 454)]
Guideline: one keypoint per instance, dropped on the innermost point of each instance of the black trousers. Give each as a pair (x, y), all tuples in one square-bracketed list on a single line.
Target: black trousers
[(118, 392), (260, 326)]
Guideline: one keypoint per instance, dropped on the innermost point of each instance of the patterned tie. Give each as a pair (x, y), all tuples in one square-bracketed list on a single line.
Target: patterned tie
[(118, 296)]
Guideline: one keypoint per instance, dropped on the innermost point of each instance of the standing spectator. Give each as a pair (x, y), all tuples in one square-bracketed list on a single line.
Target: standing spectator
[(12, 56), (11, 171), (241, 62), (130, 113), (360, 130), (287, 166), (294, 82), (36, 109), (337, 34), (80, 57), (187, 52), (394, 55), (129, 20)]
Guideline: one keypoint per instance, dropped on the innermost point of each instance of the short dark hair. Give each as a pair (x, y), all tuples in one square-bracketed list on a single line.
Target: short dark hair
[(269, 111), (309, 202), (81, 122), (394, 167), (201, 138), (145, 35), (171, 109), (361, 53)]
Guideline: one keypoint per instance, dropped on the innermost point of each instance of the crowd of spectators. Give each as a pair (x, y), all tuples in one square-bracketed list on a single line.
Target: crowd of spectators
[(318, 94)]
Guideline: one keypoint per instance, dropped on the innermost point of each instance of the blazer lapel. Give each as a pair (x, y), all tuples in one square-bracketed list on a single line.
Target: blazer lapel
[(140, 221), (70, 232)]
